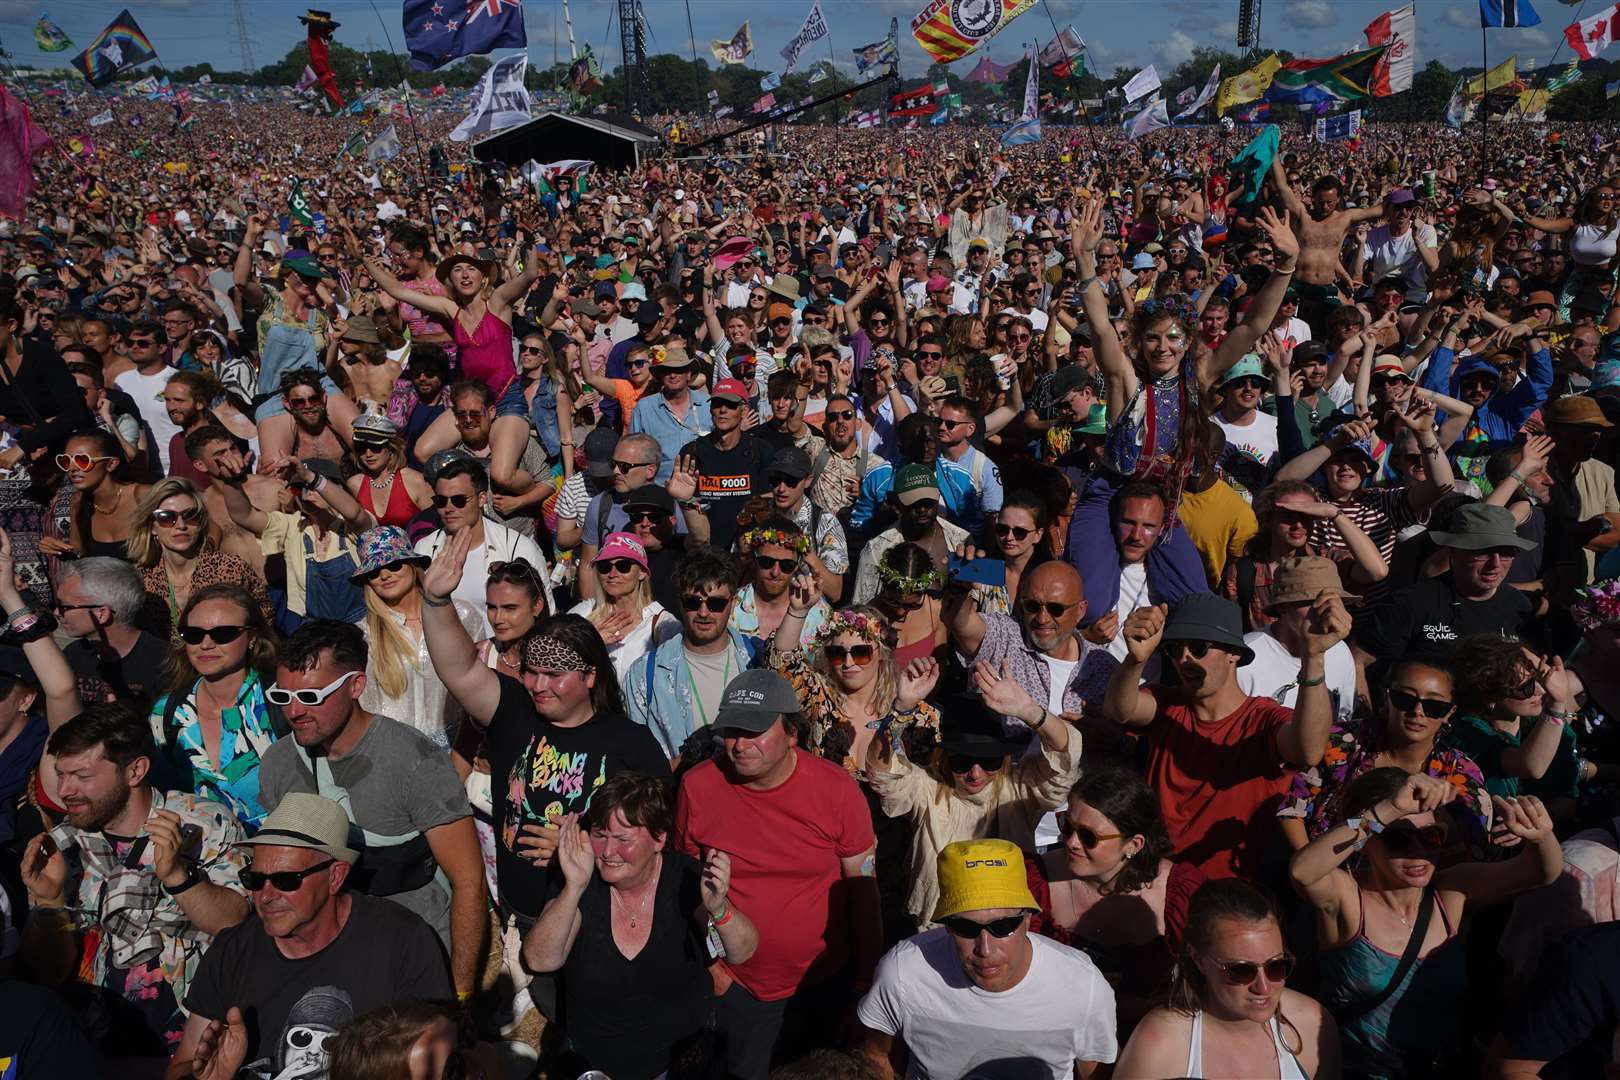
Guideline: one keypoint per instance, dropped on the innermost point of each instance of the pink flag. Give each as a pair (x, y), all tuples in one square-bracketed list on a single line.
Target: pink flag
[(20, 140)]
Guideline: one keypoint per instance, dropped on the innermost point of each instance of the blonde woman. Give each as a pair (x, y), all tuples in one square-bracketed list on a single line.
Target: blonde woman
[(621, 606), (849, 685), (400, 680), (382, 484), (172, 541)]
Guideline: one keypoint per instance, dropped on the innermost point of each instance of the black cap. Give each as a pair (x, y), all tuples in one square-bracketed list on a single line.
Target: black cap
[(599, 446), (648, 315), (967, 726), (791, 461), (650, 495)]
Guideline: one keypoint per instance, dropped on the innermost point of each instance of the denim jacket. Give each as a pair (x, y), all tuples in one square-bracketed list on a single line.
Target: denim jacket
[(543, 418), (665, 707)]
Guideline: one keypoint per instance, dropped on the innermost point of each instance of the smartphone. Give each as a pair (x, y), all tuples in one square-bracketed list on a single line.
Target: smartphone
[(191, 838), (882, 253), (976, 571), (953, 385)]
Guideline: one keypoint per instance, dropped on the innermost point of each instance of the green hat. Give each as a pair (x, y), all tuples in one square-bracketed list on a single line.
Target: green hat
[(1247, 367), (1096, 421), (913, 483)]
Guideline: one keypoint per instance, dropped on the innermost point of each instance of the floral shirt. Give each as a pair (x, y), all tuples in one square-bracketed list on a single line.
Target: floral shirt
[(1352, 750), (830, 735), (245, 733), (745, 617)]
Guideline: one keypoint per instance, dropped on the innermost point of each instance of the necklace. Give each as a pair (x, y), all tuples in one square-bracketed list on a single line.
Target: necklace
[(646, 894), (380, 482), (118, 497)]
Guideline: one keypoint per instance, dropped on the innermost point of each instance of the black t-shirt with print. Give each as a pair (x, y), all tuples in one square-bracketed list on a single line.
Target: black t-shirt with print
[(539, 771), (727, 479), (1427, 619)]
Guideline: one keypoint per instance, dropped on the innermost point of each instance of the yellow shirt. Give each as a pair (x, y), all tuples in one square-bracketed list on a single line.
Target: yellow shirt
[(1220, 524), (284, 535)]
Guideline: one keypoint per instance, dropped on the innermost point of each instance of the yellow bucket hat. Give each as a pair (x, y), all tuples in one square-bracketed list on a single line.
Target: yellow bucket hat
[(982, 875)]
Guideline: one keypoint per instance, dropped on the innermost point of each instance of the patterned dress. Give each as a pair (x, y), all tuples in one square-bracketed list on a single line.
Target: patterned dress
[(830, 735), (244, 736)]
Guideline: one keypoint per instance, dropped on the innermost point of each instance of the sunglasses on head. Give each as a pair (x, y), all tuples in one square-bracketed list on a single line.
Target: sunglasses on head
[(786, 566), (81, 462), (861, 654), (1051, 607), (1017, 532), (618, 566), (220, 635), (169, 517), (1407, 702), (714, 605), (1244, 972), (967, 929), (1404, 837), (457, 501), (277, 696), (283, 880)]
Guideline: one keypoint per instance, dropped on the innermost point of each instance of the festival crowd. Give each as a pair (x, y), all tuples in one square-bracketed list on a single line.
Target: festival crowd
[(872, 606)]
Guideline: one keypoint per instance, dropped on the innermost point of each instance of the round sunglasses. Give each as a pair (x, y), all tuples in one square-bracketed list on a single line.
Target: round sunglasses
[(1089, 837)]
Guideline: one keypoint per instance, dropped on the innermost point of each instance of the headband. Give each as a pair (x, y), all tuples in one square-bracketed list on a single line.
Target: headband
[(858, 623), (553, 655), (927, 581)]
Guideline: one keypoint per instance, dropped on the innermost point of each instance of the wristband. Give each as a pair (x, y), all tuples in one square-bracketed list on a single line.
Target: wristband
[(431, 601), (1366, 828), (797, 614), (1558, 719), (1516, 478), (722, 920), (1435, 449), (1085, 283), (1318, 681), (192, 878)]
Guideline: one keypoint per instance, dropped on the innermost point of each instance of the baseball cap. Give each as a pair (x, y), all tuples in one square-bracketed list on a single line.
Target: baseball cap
[(652, 497), (622, 545), (1401, 197), (754, 699), (305, 820), (599, 446), (914, 483), (730, 390), (981, 875), (791, 461)]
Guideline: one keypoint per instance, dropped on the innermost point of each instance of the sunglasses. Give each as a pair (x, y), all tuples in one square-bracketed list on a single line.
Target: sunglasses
[(368, 446), (220, 635), (645, 517), (714, 605), (877, 322), (1402, 838), (781, 322), (1089, 837), (530, 350), (457, 501), (1198, 649), (1248, 383), (961, 764), (169, 517), (1526, 689), (277, 696), (967, 929), (635, 365), (839, 416), (471, 416), (397, 564), (786, 566), (80, 462), (618, 566), (861, 654), (283, 880), (1407, 702), (779, 480), (1244, 972), (1052, 608), (301, 402), (626, 466), (141, 343), (1017, 532)]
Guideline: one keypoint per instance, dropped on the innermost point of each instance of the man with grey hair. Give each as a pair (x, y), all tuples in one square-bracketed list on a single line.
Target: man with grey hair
[(97, 602), (635, 463)]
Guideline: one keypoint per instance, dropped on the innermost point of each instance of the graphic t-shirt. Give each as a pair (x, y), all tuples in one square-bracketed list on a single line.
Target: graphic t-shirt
[(727, 479), (539, 771)]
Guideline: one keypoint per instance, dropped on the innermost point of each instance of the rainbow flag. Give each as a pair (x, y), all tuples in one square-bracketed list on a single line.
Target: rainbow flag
[(121, 46)]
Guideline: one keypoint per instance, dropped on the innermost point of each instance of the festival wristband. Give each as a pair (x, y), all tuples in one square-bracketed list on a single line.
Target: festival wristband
[(723, 919), (1318, 681)]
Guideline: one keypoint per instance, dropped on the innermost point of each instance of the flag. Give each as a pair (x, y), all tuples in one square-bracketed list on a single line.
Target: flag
[(736, 50), (49, 37), (1247, 86), (119, 47), (770, 82), (1499, 76), (1345, 126), (434, 39), (1592, 35), (1253, 114), (919, 102), (882, 52), (354, 145), (1459, 110), (1065, 46), (1028, 127), (384, 146), (318, 40), (103, 117), (501, 100), (1398, 30), (941, 116), (763, 103), (1152, 118), (1531, 106), (868, 119), (1339, 78), (205, 80), (305, 81), (1610, 90), (1564, 78), (1142, 84), (585, 73), (950, 29), (1507, 14), (722, 112), (1185, 96), (297, 205), (81, 146), (819, 71), (145, 86), (814, 29), (20, 139), (1205, 96)]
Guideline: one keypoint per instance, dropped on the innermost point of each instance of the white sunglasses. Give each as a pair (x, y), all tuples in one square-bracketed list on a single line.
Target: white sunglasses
[(277, 696)]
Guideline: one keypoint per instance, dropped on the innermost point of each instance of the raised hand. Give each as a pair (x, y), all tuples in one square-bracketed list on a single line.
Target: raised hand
[(1562, 685), (444, 573), (1086, 227), (575, 856), (1329, 624), (1419, 416), (716, 881), (917, 681), (1422, 794), (1002, 693), (1144, 629), (1280, 231), (1534, 456), (1522, 816), (683, 479), (803, 593)]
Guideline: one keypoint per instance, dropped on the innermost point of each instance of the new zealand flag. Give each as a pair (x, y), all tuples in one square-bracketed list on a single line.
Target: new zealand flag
[(439, 31)]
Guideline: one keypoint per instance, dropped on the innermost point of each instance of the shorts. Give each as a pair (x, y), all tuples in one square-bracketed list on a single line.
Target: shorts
[(512, 401)]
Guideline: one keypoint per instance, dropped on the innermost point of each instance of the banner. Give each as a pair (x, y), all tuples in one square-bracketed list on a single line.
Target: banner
[(770, 82), (1153, 118), (297, 205), (585, 73), (820, 71), (1569, 75), (1494, 79), (1340, 128), (868, 119), (1531, 106), (1247, 86), (1398, 30), (950, 29), (49, 37), (1185, 96), (434, 40), (1459, 110), (103, 117), (306, 81), (1066, 46), (722, 112), (919, 102), (814, 29), (1205, 96), (119, 47), (1028, 127), (879, 53), (1142, 84), (384, 146), (764, 103), (501, 100), (735, 51)]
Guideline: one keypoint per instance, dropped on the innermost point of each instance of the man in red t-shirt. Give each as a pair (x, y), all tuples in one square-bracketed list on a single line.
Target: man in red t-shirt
[(1219, 759), (802, 856)]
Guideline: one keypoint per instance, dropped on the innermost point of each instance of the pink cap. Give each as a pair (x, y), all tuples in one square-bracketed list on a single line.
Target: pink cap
[(622, 545), (938, 283), (735, 389)]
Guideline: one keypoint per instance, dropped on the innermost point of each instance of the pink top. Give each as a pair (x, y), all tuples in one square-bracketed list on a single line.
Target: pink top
[(487, 356)]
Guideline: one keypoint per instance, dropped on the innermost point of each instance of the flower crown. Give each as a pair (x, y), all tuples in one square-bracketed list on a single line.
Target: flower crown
[(1176, 306), (797, 542), (1597, 605), (858, 623), (927, 581)]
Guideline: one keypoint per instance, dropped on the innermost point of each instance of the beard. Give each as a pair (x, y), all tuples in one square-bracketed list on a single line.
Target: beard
[(94, 815)]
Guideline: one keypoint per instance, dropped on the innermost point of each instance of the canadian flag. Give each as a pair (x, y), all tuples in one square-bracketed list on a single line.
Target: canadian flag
[(1591, 36)]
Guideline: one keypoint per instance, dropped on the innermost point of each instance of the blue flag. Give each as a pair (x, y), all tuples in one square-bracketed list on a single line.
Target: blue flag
[(1507, 13), (438, 31)]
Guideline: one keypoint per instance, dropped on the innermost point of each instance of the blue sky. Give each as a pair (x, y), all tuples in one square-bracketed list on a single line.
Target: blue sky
[(1118, 32)]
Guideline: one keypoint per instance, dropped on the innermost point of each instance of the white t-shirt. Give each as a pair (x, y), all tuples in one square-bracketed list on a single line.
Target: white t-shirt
[(1256, 440), (1293, 332), (1062, 1011), (1133, 594), (1275, 670), (1037, 317), (1386, 254), (147, 391)]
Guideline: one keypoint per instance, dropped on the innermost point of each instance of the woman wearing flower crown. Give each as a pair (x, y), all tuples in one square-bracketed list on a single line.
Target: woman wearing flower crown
[(910, 595), (1158, 409)]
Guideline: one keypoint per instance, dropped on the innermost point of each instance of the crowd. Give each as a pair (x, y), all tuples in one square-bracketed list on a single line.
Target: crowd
[(880, 607)]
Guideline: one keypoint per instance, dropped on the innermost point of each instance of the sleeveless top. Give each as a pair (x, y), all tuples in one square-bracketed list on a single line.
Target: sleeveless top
[(400, 509), (1145, 442), (1288, 1066), (1593, 245), (117, 549), (486, 355), (1421, 1018)]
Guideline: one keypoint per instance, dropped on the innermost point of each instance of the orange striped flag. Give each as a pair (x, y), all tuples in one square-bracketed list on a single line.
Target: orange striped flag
[(949, 29)]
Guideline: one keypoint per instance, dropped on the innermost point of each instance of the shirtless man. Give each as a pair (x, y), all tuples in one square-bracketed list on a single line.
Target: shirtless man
[(365, 361), (313, 434), (1321, 231)]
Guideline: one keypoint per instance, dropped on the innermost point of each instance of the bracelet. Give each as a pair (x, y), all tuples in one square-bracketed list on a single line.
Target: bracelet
[(722, 920), (1435, 449), (1042, 722), (1318, 681), (1559, 719), (429, 599), (1284, 269), (1085, 283), (797, 614)]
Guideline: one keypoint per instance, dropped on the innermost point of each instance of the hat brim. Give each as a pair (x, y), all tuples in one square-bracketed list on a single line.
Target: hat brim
[(442, 271), (917, 495), (751, 719), (1481, 541), (1215, 635), (366, 568), (284, 838)]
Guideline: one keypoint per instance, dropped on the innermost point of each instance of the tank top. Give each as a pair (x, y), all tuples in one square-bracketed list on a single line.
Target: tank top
[(117, 549), (400, 508), (1145, 443), (1288, 1066), (487, 355), (1592, 245)]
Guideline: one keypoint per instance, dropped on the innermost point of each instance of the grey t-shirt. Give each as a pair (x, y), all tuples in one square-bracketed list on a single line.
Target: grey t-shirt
[(533, 461), (395, 782)]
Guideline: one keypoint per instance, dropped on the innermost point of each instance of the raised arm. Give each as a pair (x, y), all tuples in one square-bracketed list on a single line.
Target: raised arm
[(476, 687), (1438, 479), (438, 305), (1126, 703), (231, 469), (57, 683), (962, 618), (1290, 199), (1540, 862), (1085, 234), (1304, 739), (1266, 303)]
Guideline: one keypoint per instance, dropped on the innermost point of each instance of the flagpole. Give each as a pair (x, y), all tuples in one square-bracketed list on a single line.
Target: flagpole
[(1035, 58), (1484, 99), (410, 114)]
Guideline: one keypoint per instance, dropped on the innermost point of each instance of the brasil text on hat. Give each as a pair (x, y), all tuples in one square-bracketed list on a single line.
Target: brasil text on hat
[(913, 483), (981, 875), (306, 820), (754, 699), (1207, 617), (1480, 527)]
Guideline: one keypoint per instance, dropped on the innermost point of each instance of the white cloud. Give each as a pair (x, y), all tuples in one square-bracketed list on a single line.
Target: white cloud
[(1178, 47), (1310, 15), (1466, 18)]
